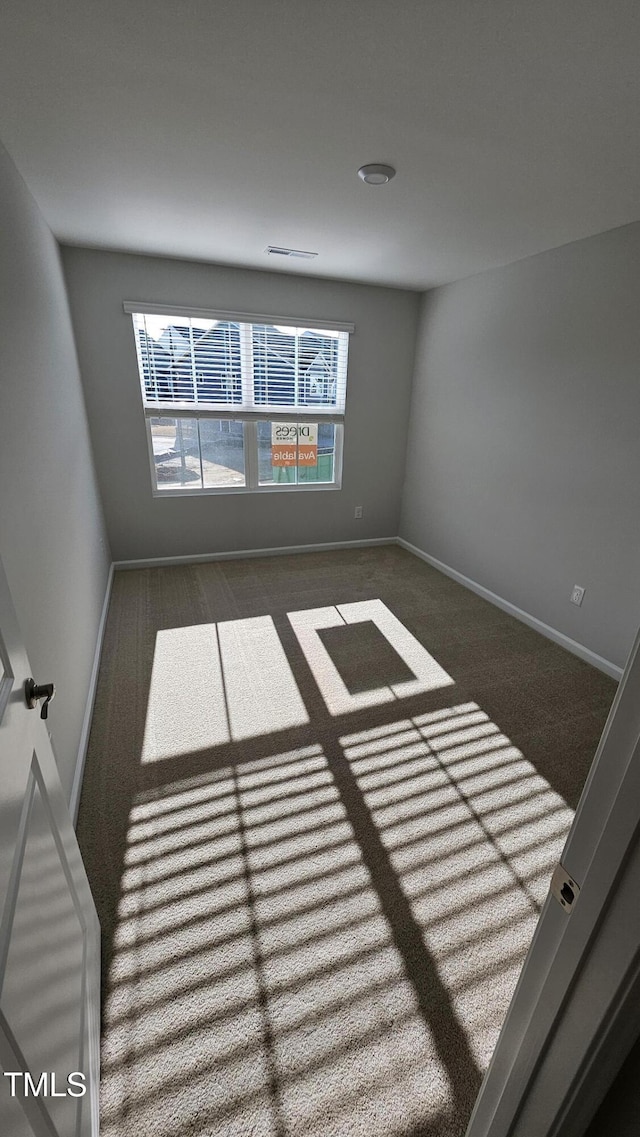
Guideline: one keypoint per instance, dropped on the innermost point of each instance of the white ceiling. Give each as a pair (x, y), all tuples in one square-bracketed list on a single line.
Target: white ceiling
[(209, 129)]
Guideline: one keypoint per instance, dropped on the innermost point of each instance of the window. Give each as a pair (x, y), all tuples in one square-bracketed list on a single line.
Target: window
[(236, 403)]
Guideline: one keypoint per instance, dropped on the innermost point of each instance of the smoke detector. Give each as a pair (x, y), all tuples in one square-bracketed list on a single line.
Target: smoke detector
[(376, 174)]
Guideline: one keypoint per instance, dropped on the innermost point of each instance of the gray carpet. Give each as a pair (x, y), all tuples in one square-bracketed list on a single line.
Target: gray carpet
[(323, 799)]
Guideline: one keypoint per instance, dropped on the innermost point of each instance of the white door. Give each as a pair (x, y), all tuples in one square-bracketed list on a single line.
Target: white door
[(49, 932), (575, 1009)]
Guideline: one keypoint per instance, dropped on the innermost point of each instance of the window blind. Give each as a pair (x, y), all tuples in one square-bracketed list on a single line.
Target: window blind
[(221, 362)]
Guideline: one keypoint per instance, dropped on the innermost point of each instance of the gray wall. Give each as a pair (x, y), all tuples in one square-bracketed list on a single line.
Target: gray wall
[(380, 371), (523, 462), (52, 536)]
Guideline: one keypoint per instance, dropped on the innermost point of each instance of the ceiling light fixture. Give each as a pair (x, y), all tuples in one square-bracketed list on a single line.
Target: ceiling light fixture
[(376, 174)]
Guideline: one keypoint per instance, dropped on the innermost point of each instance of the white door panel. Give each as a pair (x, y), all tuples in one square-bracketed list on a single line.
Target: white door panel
[(49, 933), (571, 1004)]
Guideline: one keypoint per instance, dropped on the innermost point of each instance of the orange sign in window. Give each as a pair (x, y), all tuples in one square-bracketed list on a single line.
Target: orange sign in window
[(294, 444)]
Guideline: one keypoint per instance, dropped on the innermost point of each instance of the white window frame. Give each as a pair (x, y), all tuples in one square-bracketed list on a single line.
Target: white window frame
[(247, 413), (250, 446)]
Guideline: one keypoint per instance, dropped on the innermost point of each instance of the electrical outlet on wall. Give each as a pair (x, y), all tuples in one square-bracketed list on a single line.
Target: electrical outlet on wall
[(577, 594), (358, 512)]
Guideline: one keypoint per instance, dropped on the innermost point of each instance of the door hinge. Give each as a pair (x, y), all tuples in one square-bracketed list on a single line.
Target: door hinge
[(564, 888)]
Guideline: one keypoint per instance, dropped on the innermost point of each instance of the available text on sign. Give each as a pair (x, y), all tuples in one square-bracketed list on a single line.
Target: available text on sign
[(294, 444)]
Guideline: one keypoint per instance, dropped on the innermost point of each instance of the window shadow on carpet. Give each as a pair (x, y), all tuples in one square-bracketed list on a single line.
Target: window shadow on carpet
[(351, 645)]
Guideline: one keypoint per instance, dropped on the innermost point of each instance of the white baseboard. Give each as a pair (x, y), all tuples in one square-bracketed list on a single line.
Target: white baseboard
[(91, 695), (240, 554), (573, 646)]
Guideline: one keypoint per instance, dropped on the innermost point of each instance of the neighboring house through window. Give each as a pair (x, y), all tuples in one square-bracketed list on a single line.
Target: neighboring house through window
[(239, 403)]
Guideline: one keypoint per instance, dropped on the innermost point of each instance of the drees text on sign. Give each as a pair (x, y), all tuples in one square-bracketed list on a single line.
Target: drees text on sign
[(294, 444)]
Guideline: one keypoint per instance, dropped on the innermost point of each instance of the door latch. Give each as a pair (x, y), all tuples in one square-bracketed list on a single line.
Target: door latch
[(564, 888), (33, 692)]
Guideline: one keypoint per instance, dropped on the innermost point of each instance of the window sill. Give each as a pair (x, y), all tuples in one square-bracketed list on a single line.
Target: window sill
[(235, 490)]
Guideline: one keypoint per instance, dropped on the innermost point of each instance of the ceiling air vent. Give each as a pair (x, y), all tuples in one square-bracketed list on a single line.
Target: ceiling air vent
[(290, 252)]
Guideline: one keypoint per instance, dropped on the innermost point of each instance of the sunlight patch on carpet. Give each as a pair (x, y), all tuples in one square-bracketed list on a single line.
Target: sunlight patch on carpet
[(427, 673), (212, 683), (256, 985), (473, 833)]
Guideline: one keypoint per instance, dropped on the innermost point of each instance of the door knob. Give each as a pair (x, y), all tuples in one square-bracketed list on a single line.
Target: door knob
[(33, 692)]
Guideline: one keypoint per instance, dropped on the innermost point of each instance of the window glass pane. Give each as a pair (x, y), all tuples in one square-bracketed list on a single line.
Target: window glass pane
[(188, 360), (292, 453), (192, 454), (176, 453), (216, 353), (294, 366), (222, 449), (165, 354)]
